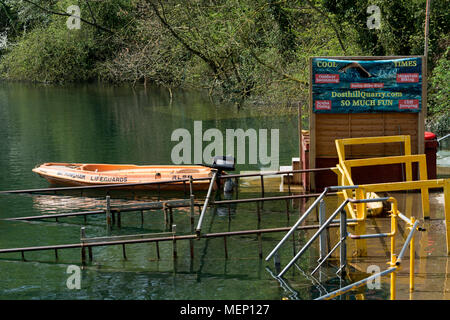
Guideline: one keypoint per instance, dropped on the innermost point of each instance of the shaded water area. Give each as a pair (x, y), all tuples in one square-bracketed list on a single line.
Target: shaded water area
[(103, 124)]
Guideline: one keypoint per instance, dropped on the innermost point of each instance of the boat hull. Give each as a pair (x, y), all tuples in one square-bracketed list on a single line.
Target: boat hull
[(158, 177)]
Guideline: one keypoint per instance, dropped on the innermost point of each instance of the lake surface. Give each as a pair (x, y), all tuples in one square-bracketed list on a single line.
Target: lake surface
[(106, 124)]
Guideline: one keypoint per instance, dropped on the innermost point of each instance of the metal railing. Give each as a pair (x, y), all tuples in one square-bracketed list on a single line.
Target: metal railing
[(395, 264), (443, 138), (305, 215), (395, 260), (205, 204), (341, 243)]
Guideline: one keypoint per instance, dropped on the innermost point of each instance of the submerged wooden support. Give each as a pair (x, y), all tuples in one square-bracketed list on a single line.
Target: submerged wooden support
[(157, 250), (83, 249), (289, 183), (124, 252), (191, 248), (192, 212), (166, 216), (262, 186), (260, 253), (174, 242), (258, 211), (192, 217), (108, 211), (287, 209), (90, 253), (225, 246), (170, 216)]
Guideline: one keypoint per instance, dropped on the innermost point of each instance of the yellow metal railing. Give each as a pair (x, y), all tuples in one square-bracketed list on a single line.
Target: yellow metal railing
[(343, 171), (356, 198), (395, 260)]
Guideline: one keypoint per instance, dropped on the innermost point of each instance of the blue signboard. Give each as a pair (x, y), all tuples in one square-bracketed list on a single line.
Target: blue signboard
[(366, 86)]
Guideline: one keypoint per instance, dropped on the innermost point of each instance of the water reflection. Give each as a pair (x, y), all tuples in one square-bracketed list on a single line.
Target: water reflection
[(47, 204)]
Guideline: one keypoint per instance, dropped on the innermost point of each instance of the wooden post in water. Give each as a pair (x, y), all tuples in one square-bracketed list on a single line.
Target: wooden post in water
[(83, 250), (225, 247), (124, 252), (108, 211), (171, 216), (192, 216), (258, 212), (174, 242), (289, 183), (287, 209), (260, 245), (157, 250), (166, 217), (90, 253), (191, 197), (262, 186)]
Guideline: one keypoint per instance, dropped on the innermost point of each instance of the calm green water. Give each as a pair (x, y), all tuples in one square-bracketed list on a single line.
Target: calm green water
[(104, 124)]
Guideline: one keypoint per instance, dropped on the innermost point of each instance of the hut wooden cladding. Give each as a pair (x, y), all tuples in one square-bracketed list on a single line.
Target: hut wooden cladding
[(326, 127)]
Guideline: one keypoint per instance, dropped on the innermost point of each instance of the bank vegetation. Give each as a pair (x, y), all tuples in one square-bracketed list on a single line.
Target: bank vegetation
[(244, 51)]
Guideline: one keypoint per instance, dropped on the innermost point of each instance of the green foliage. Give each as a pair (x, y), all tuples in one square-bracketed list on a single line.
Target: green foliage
[(439, 91), (402, 25), (50, 54), (239, 50), (49, 51)]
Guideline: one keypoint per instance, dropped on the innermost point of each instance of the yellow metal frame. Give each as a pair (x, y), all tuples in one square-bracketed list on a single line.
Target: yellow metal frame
[(394, 262), (344, 178), (359, 211)]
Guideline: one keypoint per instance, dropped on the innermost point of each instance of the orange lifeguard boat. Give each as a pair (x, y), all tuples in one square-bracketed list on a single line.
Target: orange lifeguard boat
[(78, 174)]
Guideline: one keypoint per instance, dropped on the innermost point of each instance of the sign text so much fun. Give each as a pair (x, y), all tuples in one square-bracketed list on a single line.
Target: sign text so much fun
[(367, 86)]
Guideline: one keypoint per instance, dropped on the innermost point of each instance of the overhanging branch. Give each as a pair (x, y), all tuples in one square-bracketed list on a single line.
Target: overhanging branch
[(331, 23)]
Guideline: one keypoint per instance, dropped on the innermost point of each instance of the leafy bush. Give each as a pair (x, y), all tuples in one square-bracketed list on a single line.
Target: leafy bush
[(439, 93), (50, 54)]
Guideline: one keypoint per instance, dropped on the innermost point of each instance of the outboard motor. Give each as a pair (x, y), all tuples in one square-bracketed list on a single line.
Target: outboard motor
[(222, 163)]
